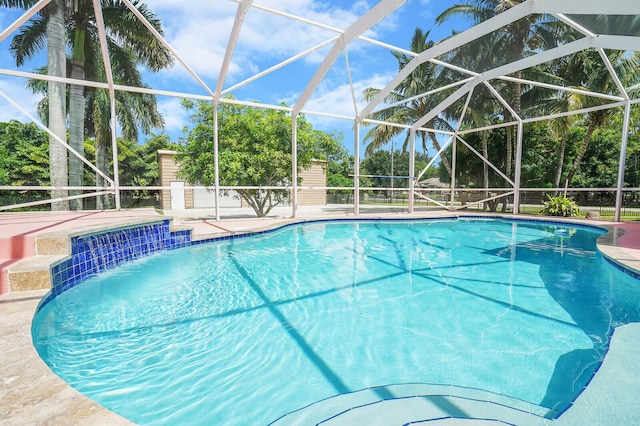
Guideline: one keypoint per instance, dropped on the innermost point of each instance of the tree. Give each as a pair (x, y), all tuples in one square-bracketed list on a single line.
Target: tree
[(127, 38), (135, 111), (139, 165), (513, 43), (51, 24), (339, 162), (483, 108), (23, 160), (587, 70), (425, 77), (541, 101), (379, 164), (338, 174), (540, 146), (254, 150), (56, 61)]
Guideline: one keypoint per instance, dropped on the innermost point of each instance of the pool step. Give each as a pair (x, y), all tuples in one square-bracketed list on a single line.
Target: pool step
[(25, 262), (33, 273), (416, 403), (12, 249), (4, 275)]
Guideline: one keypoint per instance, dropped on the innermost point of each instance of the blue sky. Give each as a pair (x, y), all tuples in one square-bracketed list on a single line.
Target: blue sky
[(199, 30)]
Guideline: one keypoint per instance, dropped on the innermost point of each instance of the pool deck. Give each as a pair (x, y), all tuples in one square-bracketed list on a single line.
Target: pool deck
[(31, 394)]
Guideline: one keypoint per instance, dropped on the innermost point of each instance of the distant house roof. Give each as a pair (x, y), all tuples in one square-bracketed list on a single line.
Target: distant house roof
[(433, 183)]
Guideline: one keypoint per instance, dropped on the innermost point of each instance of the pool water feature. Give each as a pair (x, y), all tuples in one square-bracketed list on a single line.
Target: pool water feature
[(248, 330)]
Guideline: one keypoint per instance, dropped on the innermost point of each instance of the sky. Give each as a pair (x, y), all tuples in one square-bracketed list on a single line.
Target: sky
[(198, 30)]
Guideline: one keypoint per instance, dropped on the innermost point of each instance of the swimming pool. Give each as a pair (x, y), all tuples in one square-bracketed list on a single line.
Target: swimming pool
[(247, 330)]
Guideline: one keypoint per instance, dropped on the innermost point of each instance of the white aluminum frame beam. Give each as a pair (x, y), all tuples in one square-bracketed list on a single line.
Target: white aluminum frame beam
[(622, 161), (431, 200), (616, 42), (168, 46), (518, 172), (612, 73), (485, 160), (447, 45), (369, 19), (573, 24), (41, 125), (422, 95), (512, 67), (356, 168), (412, 167), (241, 12), (582, 7), (280, 65), (353, 92), (294, 166), (582, 92), (99, 85), (243, 8), (24, 18), (550, 116), (435, 157), (500, 99), (112, 98), (54, 200), (491, 127)]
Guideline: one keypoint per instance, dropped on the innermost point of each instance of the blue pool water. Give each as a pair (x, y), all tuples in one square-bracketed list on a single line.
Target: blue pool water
[(247, 330)]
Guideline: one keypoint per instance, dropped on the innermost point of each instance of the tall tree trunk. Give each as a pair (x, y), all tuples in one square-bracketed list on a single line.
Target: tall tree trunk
[(57, 66), (582, 150), (517, 95), (560, 160), (76, 117), (518, 53), (505, 200), (485, 167), (509, 154), (101, 163), (517, 108), (443, 158)]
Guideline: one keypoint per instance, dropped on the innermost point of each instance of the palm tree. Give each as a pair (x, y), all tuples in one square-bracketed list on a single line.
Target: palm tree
[(519, 37), (483, 108), (126, 35), (587, 70), (135, 112), (51, 23), (56, 59), (427, 76)]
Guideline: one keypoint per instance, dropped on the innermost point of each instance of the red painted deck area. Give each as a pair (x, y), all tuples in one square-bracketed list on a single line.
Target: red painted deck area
[(630, 239)]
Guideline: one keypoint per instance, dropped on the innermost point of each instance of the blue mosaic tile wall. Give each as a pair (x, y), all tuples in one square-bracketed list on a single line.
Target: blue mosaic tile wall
[(91, 254)]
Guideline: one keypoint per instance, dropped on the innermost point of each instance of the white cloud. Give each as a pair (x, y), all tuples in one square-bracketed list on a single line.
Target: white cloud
[(175, 116), (199, 31), (15, 89), (339, 99)]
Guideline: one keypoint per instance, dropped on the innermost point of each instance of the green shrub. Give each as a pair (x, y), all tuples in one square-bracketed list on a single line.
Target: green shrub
[(560, 206)]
